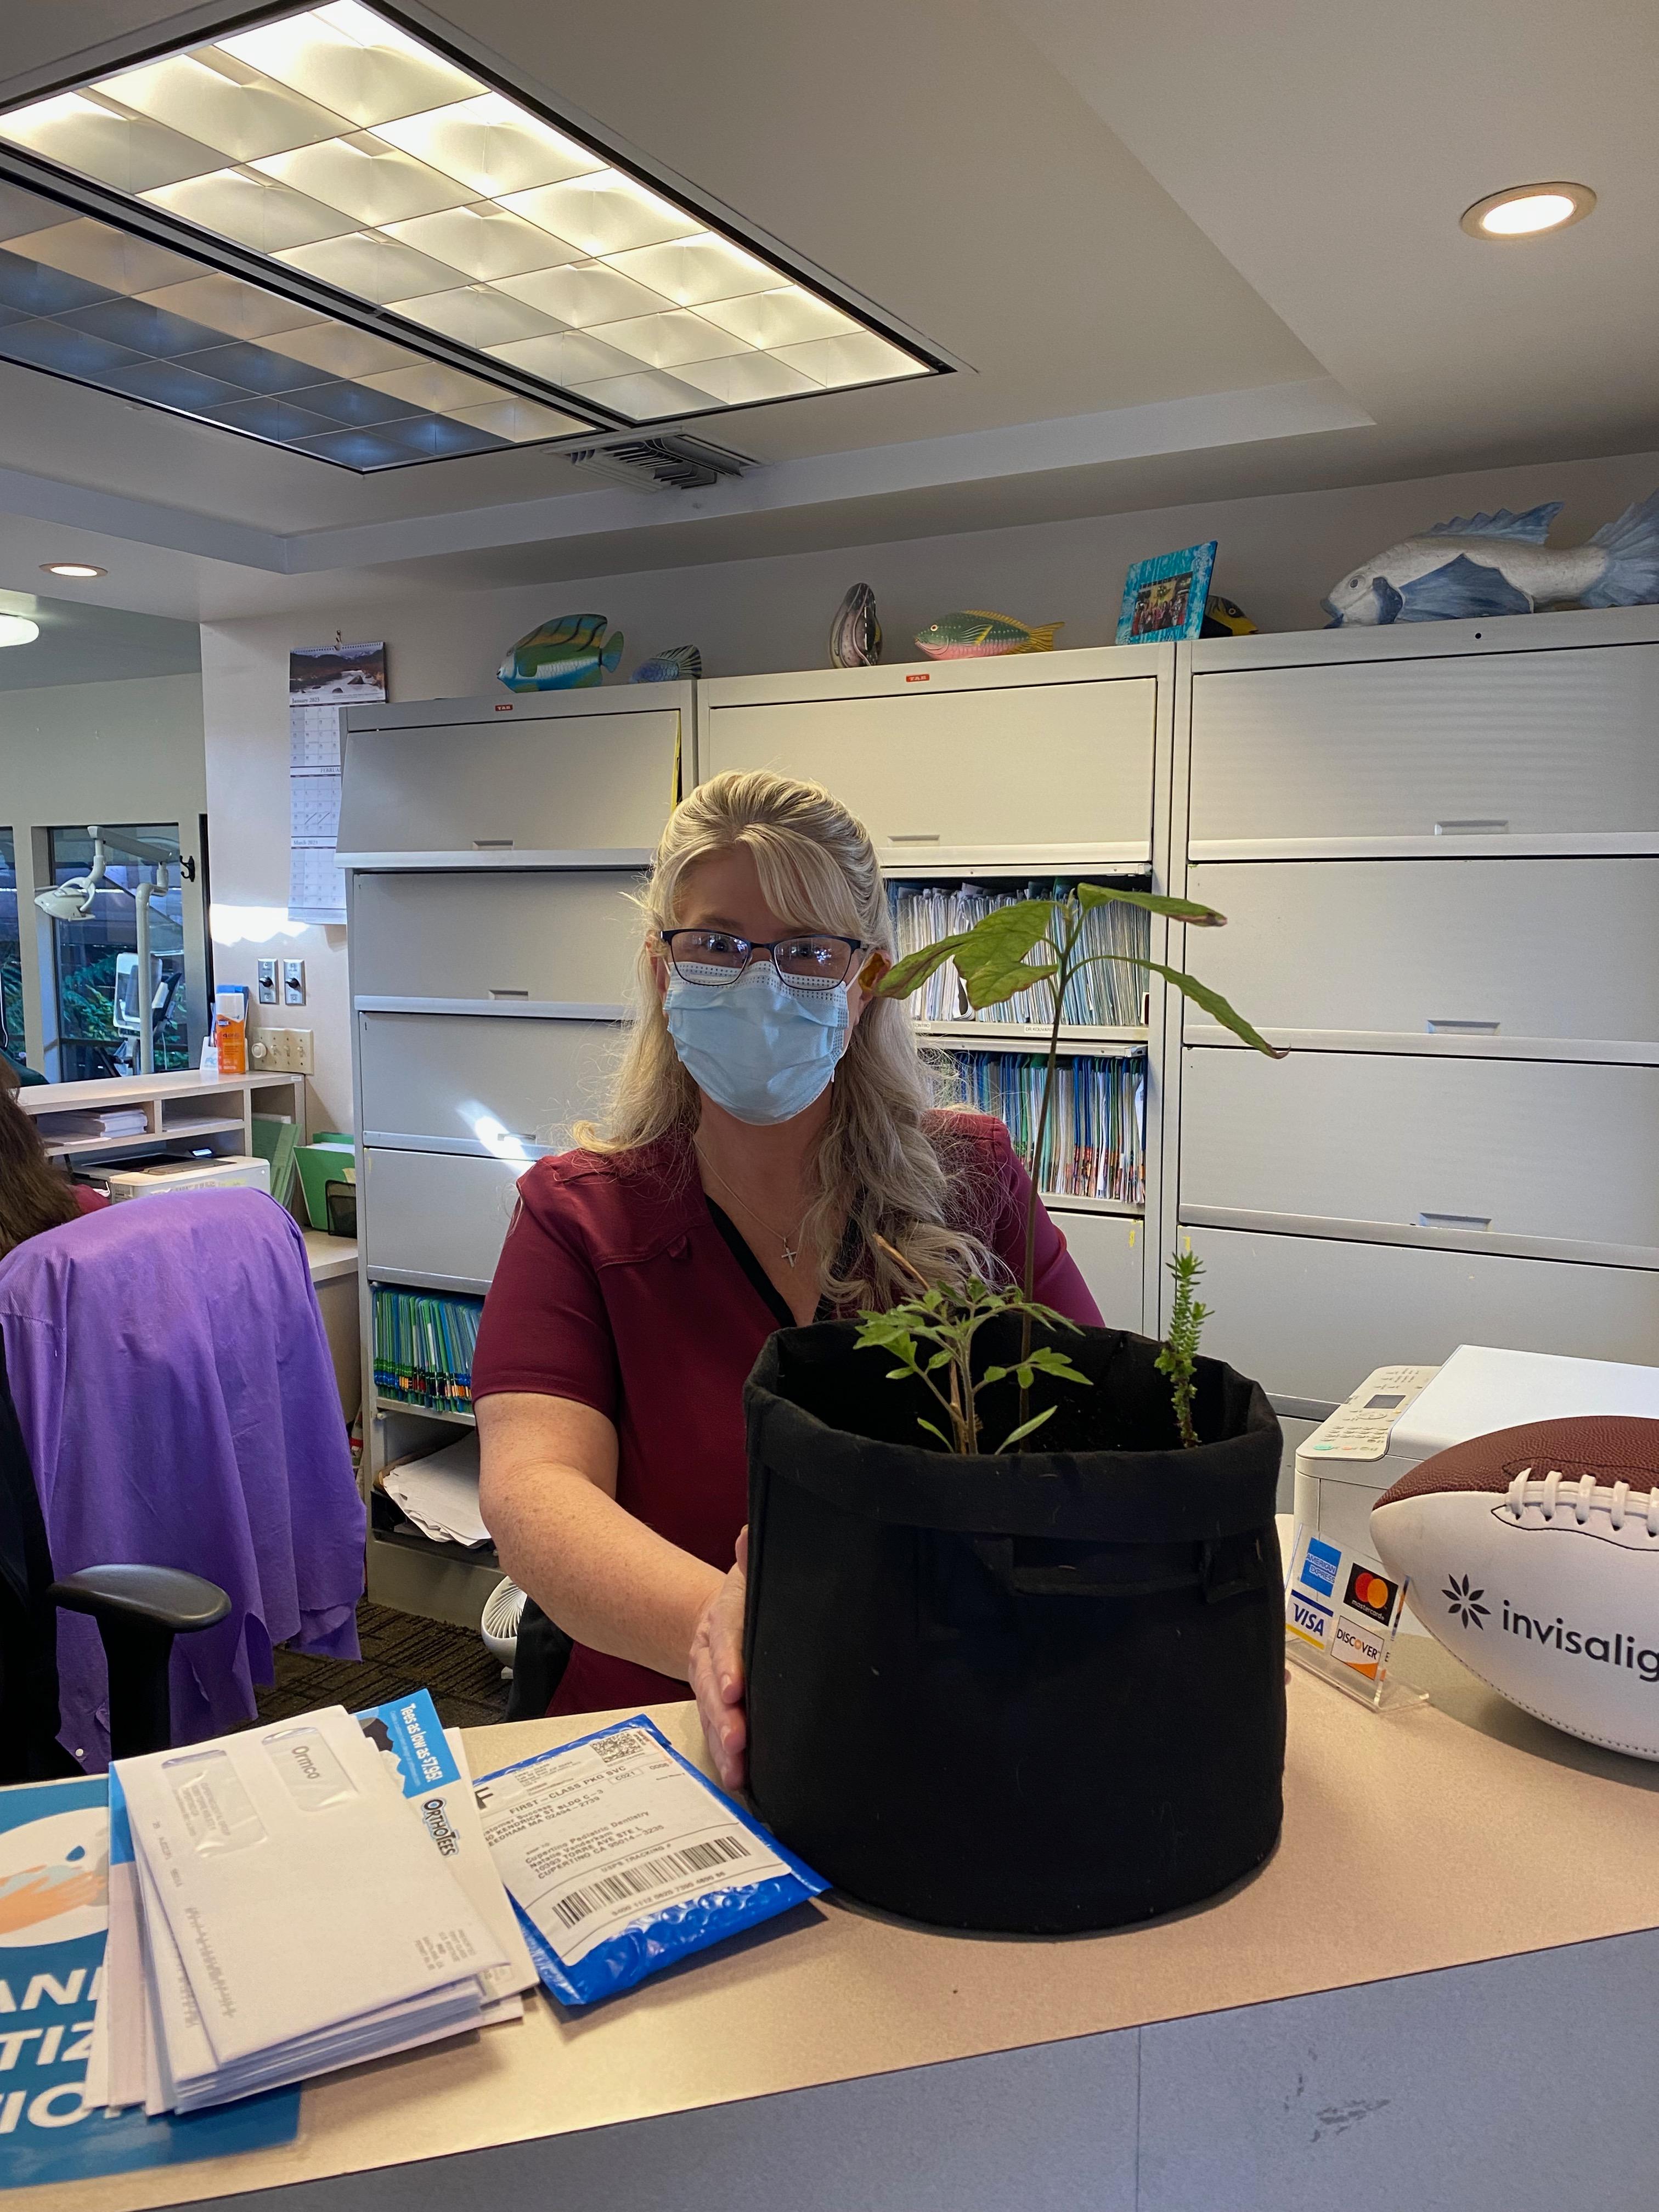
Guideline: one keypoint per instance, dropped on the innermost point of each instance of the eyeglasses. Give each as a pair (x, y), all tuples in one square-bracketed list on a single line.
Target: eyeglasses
[(812, 961)]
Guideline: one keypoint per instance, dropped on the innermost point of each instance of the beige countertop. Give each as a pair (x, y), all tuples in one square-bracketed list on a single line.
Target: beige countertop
[(1403, 1835)]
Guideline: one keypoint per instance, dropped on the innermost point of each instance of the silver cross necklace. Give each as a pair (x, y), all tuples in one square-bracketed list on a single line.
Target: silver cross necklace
[(791, 1244)]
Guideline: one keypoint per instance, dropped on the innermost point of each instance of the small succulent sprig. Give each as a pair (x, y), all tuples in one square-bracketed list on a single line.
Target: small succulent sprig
[(1178, 1359)]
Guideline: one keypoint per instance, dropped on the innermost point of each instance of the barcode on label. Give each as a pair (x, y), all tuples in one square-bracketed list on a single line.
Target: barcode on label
[(626, 1743), (617, 1888)]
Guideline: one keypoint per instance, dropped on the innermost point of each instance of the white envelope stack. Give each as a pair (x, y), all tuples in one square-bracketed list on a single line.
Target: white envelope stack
[(289, 1909)]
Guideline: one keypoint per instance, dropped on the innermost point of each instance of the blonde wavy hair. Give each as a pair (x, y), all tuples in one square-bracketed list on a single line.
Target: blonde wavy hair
[(886, 1165)]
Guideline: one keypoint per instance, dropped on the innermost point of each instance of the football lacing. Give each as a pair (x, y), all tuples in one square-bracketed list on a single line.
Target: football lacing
[(1524, 1491)]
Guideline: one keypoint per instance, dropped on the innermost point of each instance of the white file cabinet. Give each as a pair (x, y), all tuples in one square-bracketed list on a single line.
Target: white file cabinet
[(1439, 853), (531, 936), (558, 772), (492, 849), (1034, 752), (1504, 737)]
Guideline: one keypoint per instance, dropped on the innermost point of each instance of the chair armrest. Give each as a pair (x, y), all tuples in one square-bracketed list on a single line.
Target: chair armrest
[(156, 1597)]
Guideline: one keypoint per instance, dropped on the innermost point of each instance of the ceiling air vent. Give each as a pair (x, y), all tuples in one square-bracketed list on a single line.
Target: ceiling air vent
[(657, 464)]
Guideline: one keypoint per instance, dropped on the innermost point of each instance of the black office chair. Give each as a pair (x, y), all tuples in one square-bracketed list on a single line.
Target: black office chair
[(138, 1609)]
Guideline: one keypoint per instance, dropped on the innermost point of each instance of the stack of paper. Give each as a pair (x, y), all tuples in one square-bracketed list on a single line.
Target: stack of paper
[(294, 1899), (440, 1493)]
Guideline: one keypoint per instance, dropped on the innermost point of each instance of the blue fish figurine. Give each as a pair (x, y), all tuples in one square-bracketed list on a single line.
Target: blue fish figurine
[(675, 663), (564, 653), (1498, 564)]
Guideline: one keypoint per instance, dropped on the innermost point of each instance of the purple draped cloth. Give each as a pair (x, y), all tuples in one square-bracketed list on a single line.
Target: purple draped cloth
[(176, 1394)]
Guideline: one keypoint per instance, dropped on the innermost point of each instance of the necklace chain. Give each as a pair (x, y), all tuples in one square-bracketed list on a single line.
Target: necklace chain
[(791, 1247)]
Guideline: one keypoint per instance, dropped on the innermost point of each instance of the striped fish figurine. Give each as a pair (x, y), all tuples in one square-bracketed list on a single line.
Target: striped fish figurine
[(566, 654), (975, 634), (675, 663)]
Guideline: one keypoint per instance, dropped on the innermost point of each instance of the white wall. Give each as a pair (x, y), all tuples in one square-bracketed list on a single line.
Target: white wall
[(1278, 556), (120, 752)]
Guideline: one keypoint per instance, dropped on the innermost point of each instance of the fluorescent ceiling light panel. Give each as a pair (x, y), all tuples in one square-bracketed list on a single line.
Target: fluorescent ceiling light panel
[(341, 146), (84, 301)]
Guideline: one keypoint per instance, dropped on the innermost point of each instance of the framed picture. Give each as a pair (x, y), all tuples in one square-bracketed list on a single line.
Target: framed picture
[(336, 675), (1164, 597)]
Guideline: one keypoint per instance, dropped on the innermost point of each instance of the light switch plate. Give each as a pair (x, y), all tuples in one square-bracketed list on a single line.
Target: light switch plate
[(267, 982), (293, 982)]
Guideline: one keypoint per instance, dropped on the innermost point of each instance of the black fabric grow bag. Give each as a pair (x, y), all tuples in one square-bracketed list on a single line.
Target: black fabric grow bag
[(1042, 1692)]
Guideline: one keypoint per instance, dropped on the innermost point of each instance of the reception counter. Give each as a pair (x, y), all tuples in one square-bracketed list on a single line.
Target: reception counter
[(1442, 1989)]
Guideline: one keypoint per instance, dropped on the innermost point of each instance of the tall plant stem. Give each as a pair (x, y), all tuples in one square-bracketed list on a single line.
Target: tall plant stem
[(1062, 976)]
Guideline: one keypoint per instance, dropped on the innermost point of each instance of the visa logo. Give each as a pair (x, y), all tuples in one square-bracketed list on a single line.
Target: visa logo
[(1313, 1620)]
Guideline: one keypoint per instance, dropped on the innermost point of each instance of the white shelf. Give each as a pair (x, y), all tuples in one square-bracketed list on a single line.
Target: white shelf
[(919, 863), (1507, 845), (1059, 1201), (1446, 1044), (1096, 1041), (382, 1406), (1641, 1258), (540, 1010), (499, 857)]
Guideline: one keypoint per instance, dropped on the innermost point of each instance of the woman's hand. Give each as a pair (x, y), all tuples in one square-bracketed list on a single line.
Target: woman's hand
[(716, 1672)]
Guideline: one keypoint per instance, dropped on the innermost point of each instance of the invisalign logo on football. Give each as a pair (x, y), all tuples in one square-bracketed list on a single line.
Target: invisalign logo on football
[(1616, 1650)]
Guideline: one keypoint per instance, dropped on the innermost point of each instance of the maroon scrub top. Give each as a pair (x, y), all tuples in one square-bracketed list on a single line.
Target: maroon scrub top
[(622, 1286)]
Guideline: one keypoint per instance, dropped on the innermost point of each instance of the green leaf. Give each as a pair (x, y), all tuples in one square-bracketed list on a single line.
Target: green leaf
[(909, 974), (990, 984), (1178, 909), (1026, 1427), (1007, 933), (991, 1375), (939, 1359), (1050, 1362), (1216, 1008), (934, 1431)]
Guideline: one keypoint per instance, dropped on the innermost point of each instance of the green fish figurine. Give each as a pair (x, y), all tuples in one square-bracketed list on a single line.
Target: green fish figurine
[(975, 634), (567, 653)]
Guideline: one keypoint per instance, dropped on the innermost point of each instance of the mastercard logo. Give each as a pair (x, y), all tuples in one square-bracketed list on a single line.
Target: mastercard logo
[(1372, 1594)]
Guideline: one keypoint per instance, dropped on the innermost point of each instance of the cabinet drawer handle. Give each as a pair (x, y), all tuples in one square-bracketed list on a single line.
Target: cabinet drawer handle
[(501, 992), (914, 837), (1475, 827), (492, 844), (1441, 1025), (1453, 1221)]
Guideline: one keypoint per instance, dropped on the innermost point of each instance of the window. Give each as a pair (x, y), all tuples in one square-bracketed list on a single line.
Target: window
[(11, 965), (101, 998)]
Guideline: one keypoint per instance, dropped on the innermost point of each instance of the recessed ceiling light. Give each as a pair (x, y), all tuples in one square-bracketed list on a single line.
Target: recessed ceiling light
[(1526, 210), (18, 629), (479, 275), (82, 568)]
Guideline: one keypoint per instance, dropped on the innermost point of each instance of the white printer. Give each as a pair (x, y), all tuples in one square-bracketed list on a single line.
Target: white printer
[(1400, 1415), (230, 1171)]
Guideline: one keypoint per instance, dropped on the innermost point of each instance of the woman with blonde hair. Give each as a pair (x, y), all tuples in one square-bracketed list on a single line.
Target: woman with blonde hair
[(772, 1134)]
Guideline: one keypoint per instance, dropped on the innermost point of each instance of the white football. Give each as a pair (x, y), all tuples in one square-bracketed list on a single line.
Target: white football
[(1532, 1554)]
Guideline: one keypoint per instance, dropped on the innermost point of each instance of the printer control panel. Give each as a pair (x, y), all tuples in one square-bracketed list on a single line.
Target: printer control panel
[(1360, 1429)]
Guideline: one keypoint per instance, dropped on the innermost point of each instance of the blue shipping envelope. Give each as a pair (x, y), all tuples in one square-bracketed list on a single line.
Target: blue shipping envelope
[(54, 1853)]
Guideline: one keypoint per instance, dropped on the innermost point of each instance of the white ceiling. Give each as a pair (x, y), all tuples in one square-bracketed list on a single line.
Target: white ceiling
[(82, 644), (1184, 252)]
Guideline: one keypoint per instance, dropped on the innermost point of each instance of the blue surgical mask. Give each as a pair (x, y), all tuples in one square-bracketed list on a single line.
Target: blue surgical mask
[(762, 1051)]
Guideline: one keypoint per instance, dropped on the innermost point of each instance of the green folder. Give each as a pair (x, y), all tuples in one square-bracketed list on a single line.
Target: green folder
[(319, 1163), (277, 1140)]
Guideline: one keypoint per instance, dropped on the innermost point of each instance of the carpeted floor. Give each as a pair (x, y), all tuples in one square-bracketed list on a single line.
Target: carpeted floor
[(401, 1652)]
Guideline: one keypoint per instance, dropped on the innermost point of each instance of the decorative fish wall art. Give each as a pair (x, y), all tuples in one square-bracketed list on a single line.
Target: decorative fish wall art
[(1498, 564), (567, 652), (975, 634), (855, 633), (675, 663)]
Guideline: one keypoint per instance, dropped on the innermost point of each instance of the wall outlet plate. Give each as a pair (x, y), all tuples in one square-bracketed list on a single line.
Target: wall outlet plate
[(267, 971), (287, 1052), (293, 982)]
